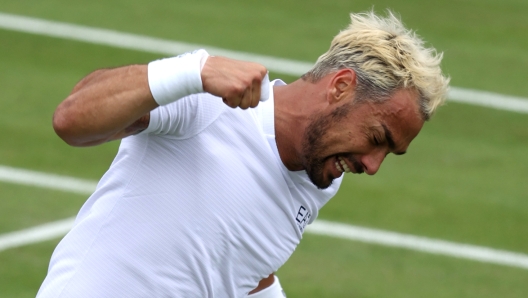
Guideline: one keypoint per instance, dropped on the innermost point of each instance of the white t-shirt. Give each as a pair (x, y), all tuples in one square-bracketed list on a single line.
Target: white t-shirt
[(197, 205)]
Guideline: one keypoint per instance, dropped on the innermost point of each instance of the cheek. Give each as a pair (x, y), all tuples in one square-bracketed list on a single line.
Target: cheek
[(355, 138), (341, 142)]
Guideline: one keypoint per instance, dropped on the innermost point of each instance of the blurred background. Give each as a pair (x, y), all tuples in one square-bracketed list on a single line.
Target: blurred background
[(463, 180)]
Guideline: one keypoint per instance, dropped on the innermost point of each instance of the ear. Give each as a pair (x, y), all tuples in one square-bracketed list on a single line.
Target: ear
[(342, 86)]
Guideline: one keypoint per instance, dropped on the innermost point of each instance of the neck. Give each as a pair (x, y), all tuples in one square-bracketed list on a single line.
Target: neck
[(295, 105)]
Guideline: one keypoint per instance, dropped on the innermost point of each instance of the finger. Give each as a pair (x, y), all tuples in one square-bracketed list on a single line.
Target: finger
[(231, 102), (235, 102), (245, 102), (254, 103), (255, 93)]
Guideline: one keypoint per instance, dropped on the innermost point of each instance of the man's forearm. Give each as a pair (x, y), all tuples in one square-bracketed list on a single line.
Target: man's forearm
[(109, 104), (104, 104)]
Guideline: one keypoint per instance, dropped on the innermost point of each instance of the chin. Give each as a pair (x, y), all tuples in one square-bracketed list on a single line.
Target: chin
[(325, 185), (320, 181), (317, 174)]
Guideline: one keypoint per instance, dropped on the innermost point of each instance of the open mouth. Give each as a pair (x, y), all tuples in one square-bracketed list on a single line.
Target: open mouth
[(341, 165)]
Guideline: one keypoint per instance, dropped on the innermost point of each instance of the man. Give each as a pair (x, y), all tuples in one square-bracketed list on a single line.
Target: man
[(207, 197)]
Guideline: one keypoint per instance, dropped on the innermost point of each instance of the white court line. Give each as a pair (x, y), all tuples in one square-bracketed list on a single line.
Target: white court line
[(139, 42), (168, 47), (418, 243), (32, 178), (320, 227), (45, 232)]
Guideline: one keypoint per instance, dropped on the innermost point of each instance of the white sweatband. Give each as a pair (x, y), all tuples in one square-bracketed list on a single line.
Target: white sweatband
[(273, 291), (265, 88), (173, 78)]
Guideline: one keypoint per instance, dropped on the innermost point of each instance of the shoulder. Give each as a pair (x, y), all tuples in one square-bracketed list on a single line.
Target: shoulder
[(187, 116)]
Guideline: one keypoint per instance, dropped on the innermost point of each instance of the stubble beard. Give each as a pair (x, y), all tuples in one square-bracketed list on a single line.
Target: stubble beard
[(313, 159)]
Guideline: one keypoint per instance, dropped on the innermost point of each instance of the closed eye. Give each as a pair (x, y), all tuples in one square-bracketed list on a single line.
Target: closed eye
[(377, 140)]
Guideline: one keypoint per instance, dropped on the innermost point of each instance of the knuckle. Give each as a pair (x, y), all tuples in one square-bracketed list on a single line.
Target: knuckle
[(239, 89), (230, 102)]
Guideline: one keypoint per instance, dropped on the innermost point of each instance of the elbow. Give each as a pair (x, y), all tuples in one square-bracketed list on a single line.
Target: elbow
[(64, 128), (67, 128)]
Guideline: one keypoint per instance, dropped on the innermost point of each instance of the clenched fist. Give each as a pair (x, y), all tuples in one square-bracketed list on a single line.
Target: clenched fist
[(237, 82)]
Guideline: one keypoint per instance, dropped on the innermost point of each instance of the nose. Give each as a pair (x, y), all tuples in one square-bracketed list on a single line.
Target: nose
[(372, 161)]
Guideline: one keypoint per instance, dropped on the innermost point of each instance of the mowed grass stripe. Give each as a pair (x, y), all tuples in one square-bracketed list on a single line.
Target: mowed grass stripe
[(320, 227), (168, 47)]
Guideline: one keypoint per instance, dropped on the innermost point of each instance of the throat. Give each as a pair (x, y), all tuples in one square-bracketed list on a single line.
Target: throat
[(287, 153)]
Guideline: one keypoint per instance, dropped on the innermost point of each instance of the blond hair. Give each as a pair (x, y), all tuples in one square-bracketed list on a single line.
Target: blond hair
[(386, 57)]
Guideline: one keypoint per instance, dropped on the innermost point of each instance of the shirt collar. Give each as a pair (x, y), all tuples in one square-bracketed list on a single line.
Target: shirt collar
[(266, 110)]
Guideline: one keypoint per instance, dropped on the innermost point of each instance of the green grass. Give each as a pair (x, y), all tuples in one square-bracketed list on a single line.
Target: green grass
[(463, 179), (24, 268), (24, 207), (482, 40), (349, 269)]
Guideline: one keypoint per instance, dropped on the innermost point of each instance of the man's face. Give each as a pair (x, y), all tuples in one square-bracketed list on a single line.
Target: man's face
[(357, 137)]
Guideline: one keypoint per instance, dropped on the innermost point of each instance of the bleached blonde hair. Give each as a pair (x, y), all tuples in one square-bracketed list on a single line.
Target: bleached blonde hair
[(386, 57)]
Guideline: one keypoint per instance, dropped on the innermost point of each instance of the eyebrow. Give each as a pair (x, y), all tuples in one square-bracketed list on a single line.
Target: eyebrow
[(390, 140)]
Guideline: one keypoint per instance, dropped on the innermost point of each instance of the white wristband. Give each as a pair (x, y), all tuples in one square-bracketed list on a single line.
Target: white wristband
[(264, 88), (173, 78)]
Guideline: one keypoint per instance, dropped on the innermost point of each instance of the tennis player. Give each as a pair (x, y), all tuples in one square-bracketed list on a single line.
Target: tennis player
[(220, 171)]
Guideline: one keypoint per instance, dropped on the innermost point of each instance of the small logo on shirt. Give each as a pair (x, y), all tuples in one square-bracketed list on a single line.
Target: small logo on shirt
[(302, 218)]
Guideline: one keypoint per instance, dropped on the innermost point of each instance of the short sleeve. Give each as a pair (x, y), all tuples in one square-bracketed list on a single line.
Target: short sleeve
[(186, 117)]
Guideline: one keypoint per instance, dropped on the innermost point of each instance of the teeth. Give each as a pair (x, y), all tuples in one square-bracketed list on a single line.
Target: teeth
[(338, 166), (342, 166)]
